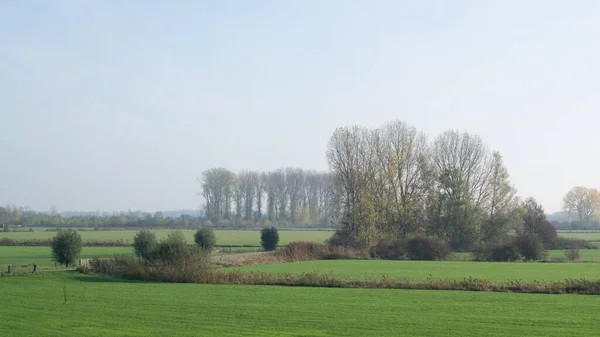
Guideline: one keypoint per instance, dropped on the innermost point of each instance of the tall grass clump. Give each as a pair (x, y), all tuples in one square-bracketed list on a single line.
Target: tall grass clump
[(306, 251)]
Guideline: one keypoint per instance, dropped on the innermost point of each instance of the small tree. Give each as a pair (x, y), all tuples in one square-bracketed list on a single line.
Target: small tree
[(530, 246), (269, 238), (547, 233), (66, 247), (144, 243), (427, 248), (533, 217), (173, 247), (205, 239)]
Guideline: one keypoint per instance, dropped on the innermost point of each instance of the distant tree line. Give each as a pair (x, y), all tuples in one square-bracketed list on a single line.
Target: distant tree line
[(286, 197), (13, 216)]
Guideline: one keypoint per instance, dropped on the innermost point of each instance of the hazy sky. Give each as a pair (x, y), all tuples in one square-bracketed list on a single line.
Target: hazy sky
[(122, 104)]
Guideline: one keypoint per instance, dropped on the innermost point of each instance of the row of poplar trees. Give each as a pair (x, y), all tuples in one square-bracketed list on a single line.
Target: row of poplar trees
[(287, 197)]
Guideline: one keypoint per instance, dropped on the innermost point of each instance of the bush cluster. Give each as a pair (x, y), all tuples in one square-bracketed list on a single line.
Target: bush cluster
[(428, 248), (172, 248), (522, 247), (344, 238), (564, 243)]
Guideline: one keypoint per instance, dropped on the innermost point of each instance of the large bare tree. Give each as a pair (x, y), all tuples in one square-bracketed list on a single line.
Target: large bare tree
[(582, 202), (217, 187)]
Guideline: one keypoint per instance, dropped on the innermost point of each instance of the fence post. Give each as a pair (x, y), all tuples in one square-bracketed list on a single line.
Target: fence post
[(9, 268), (35, 268)]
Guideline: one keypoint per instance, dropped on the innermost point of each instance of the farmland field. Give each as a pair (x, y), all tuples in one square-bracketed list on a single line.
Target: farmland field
[(22, 255), (98, 306), (420, 270), (585, 254), (19, 255), (224, 237), (588, 236)]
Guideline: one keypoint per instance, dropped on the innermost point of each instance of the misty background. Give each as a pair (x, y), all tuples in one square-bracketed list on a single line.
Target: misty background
[(122, 105)]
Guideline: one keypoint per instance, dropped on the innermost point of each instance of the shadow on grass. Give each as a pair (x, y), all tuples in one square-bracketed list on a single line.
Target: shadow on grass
[(76, 276)]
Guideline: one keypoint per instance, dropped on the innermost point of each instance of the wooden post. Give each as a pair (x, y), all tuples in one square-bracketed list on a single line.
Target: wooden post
[(35, 268), (9, 268)]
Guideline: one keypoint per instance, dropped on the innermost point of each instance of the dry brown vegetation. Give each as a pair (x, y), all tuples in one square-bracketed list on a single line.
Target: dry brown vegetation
[(293, 252)]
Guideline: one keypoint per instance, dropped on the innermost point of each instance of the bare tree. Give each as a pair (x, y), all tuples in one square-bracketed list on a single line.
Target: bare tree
[(247, 184), (294, 179), (583, 202), (463, 167), (217, 186), (260, 187), (281, 194), (500, 215), (403, 154), (270, 181)]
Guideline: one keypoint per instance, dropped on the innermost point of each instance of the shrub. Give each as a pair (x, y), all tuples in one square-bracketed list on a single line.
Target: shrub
[(144, 243), (205, 239), (172, 248), (564, 243), (547, 233), (572, 254), (530, 246), (342, 238), (66, 247), (269, 238), (506, 252), (388, 250), (427, 248)]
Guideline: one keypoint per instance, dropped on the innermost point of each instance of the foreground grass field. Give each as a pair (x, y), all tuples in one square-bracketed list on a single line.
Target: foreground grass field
[(18, 255), (224, 237), (420, 270), (96, 306)]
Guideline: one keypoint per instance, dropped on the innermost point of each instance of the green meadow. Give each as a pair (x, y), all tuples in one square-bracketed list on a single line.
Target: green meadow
[(224, 237), (420, 270), (71, 304), (42, 256)]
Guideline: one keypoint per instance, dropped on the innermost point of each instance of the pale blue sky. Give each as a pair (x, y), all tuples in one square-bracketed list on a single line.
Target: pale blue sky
[(117, 104)]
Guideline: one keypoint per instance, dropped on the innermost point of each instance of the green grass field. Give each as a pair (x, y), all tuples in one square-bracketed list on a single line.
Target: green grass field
[(593, 236), (41, 256), (20, 255), (585, 254), (96, 306), (224, 237), (419, 270)]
